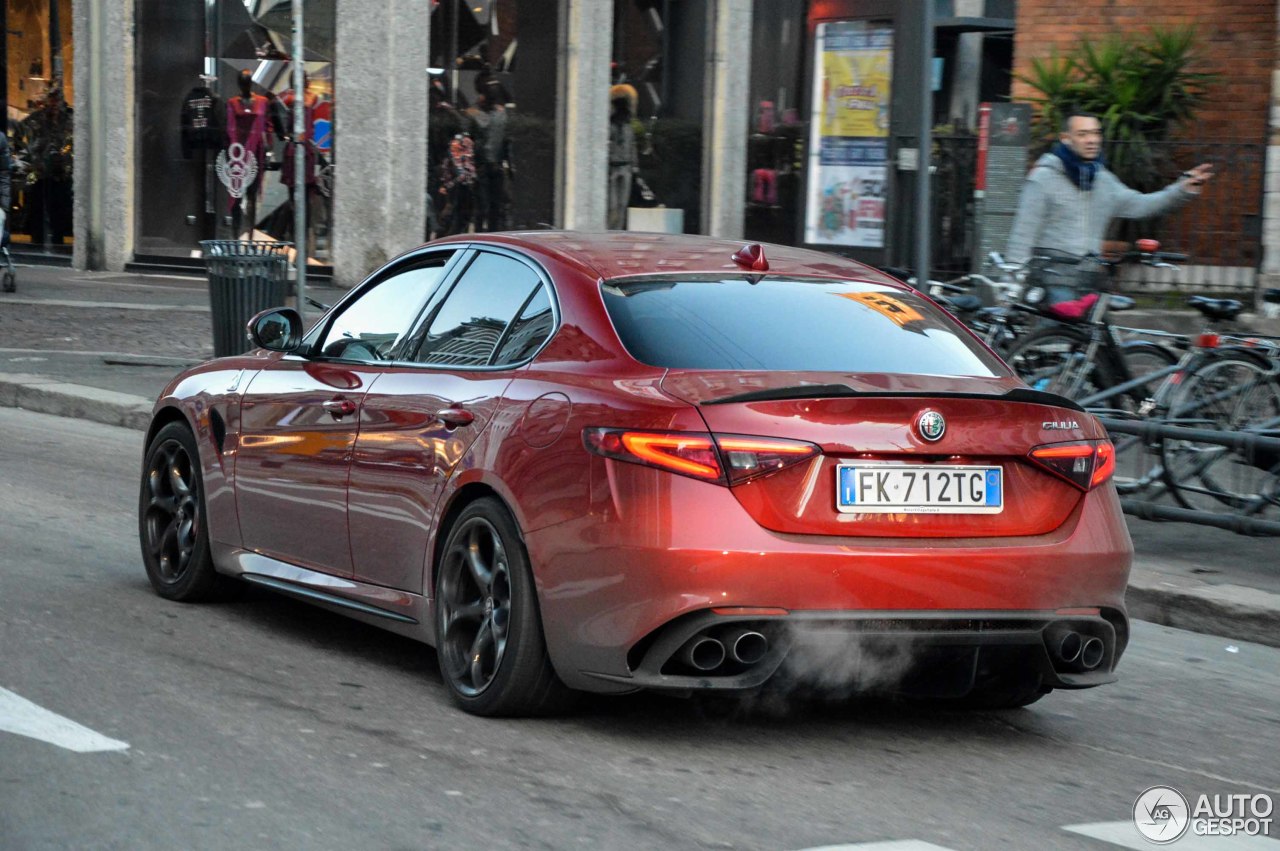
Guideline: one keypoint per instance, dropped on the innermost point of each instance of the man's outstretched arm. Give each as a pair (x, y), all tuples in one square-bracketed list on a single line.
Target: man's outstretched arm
[(1137, 205)]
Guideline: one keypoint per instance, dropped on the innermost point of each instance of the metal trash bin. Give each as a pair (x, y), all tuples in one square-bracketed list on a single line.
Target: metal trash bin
[(245, 278)]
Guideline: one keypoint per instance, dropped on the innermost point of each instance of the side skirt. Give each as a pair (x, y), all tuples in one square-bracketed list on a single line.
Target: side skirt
[(388, 608)]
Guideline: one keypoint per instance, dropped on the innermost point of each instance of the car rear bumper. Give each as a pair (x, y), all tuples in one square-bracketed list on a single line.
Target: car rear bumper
[(611, 581), (939, 654)]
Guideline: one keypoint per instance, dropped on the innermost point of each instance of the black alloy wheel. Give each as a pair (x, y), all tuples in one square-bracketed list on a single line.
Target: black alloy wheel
[(171, 519), (488, 631)]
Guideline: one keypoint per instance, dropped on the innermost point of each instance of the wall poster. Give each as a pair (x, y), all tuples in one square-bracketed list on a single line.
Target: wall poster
[(849, 134)]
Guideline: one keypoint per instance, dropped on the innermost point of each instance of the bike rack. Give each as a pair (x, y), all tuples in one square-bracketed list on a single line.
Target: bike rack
[(1249, 445)]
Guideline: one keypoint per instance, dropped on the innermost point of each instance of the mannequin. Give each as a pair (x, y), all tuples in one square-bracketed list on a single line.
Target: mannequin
[(487, 123), (309, 102), (623, 158), (248, 135)]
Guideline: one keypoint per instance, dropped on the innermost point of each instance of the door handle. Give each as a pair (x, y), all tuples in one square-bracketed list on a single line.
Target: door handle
[(455, 416), (340, 407)]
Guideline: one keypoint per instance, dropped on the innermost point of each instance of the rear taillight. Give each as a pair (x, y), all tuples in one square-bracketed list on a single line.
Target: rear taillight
[(723, 458), (1086, 464), (748, 457), (1208, 340)]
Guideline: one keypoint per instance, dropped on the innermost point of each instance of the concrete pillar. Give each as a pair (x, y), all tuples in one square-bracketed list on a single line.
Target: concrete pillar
[(583, 161), (380, 133), (1269, 274), (103, 124), (726, 118)]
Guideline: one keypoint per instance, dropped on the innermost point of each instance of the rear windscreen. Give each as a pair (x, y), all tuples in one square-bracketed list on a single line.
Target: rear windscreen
[(767, 323)]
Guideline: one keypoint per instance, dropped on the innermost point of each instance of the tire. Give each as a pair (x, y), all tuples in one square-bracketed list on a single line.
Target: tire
[(1137, 468), (1049, 360), (172, 527), (1226, 392), (489, 639)]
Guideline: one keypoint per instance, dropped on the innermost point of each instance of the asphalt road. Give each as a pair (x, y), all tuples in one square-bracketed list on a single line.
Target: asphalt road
[(265, 723)]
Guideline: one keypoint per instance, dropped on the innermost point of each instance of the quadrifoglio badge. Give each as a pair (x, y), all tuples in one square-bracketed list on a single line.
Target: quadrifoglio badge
[(1163, 815)]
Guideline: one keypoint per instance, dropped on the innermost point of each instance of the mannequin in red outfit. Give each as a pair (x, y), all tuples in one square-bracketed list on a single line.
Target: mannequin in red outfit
[(249, 127), (309, 101)]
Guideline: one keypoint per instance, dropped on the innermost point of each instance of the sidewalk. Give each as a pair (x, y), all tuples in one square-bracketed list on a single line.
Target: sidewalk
[(101, 346)]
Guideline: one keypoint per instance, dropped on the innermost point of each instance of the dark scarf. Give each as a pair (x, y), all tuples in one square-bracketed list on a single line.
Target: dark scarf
[(1081, 172)]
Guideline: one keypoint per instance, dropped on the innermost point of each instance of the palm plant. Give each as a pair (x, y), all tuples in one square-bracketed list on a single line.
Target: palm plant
[(1143, 87)]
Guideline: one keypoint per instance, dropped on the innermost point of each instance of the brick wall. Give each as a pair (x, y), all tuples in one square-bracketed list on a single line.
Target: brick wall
[(1238, 40)]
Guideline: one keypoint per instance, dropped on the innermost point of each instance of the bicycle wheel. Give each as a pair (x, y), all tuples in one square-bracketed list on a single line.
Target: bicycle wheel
[(1053, 359), (1137, 468), (1233, 393)]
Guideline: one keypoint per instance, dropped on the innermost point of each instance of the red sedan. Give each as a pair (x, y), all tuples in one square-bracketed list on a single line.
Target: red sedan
[(617, 461)]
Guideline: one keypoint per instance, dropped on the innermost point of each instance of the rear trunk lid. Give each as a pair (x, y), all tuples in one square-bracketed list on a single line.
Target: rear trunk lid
[(903, 484)]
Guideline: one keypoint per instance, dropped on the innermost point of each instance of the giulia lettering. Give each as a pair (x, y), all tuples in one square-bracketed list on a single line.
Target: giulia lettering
[(1055, 425)]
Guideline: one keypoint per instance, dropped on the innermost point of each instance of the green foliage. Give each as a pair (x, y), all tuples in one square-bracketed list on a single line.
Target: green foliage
[(1143, 87)]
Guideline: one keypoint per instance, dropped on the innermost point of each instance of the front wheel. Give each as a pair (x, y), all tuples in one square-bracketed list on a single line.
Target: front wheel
[(493, 656), (172, 525)]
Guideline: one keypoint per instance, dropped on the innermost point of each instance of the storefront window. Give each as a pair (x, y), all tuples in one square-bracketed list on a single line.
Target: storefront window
[(216, 152), (491, 155), (38, 97), (656, 115), (776, 165)]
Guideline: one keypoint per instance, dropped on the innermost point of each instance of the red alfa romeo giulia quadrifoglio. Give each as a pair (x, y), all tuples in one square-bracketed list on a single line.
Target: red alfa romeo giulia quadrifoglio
[(619, 461)]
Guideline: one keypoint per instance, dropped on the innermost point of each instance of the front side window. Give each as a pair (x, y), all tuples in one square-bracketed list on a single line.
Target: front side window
[(778, 323), (472, 321), (372, 326)]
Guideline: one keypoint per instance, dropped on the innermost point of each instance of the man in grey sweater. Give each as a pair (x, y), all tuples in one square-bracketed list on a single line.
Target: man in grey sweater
[(1070, 197)]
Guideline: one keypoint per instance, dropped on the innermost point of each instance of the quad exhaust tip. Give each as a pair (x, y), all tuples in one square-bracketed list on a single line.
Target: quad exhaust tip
[(703, 653), (738, 645), (746, 646), (1091, 653), (1077, 650)]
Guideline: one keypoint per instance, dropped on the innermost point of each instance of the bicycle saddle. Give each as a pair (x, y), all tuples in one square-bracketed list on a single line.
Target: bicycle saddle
[(1120, 302), (1216, 308), (964, 303)]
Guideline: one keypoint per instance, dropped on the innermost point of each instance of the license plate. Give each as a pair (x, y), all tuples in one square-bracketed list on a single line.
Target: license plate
[(919, 489)]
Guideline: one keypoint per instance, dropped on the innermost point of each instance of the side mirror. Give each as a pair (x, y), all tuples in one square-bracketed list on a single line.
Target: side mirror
[(278, 329)]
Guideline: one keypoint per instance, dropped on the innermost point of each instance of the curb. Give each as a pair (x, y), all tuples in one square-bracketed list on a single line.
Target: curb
[(1231, 611), (49, 396), (1234, 611)]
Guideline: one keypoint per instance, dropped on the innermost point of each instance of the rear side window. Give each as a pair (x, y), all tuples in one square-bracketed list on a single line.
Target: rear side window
[(777, 323), (475, 315)]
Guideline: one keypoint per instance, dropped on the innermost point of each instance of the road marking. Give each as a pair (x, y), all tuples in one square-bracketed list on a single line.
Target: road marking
[(1124, 834), (21, 716), (893, 845)]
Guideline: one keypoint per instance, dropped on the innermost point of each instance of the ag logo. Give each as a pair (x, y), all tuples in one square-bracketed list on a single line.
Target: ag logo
[(1161, 814), (931, 425)]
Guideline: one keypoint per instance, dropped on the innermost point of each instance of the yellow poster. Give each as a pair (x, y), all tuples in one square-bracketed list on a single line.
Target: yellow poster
[(849, 134), (855, 93)]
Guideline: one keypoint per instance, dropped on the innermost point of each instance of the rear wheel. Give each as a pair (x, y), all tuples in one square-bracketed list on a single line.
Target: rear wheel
[(1054, 360), (1136, 467), (493, 656), (171, 520), (1231, 393)]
